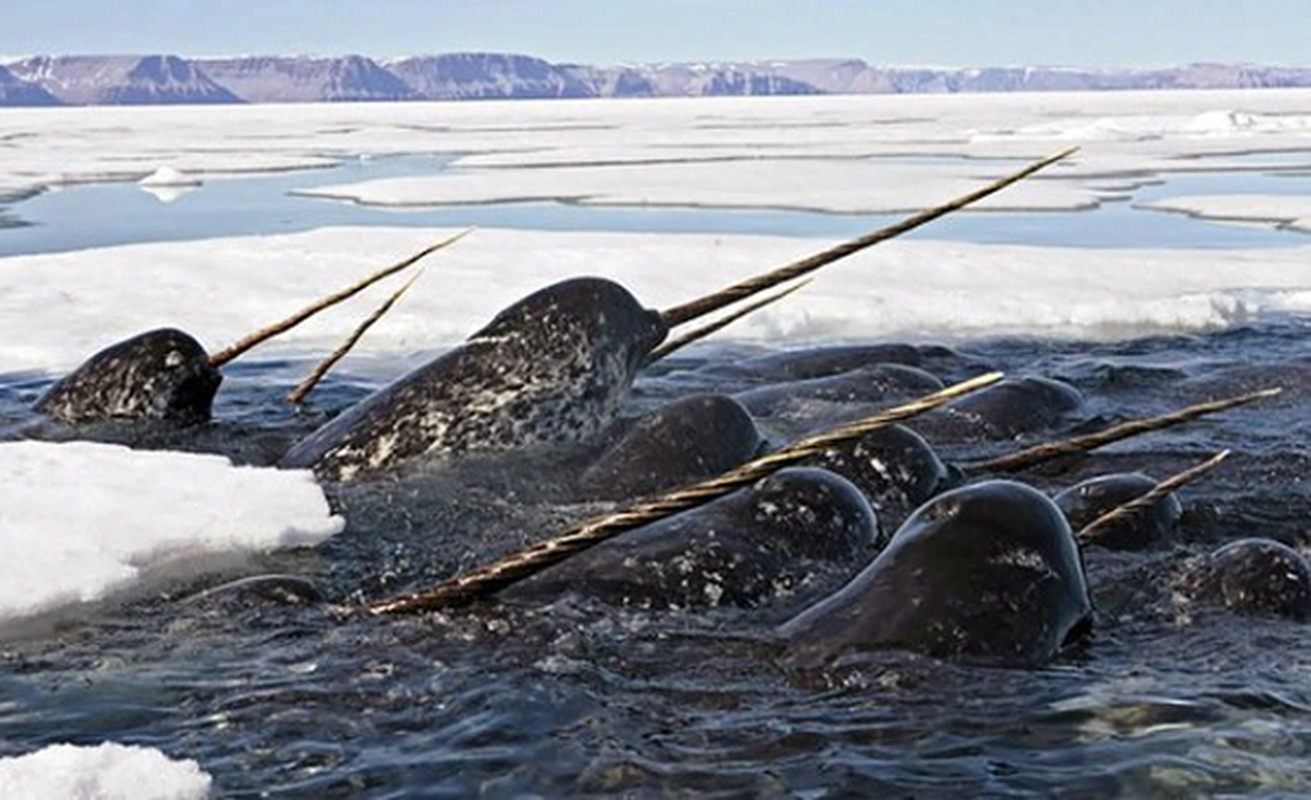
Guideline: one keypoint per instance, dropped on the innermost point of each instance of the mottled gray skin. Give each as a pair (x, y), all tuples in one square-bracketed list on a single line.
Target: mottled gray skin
[(550, 369), (894, 467), (681, 442), (745, 549), (1155, 525), (878, 383), (1005, 410), (158, 375), (1251, 576), (986, 572)]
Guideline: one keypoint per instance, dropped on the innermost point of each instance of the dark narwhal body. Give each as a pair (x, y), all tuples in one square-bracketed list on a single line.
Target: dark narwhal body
[(157, 375), (988, 571), (681, 442), (878, 383), (552, 368), (1155, 525), (1006, 410), (741, 550), (1252, 576)]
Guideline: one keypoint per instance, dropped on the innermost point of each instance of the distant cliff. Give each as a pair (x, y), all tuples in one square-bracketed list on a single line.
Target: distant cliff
[(480, 76), (120, 80), (302, 79), (157, 79), (14, 91)]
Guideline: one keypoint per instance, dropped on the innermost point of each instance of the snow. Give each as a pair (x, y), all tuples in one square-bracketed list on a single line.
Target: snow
[(82, 519), (919, 290), (1123, 132), (105, 772)]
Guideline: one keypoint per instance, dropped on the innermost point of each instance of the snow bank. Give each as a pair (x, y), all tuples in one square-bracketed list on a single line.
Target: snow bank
[(221, 289), (81, 519), (107, 772)]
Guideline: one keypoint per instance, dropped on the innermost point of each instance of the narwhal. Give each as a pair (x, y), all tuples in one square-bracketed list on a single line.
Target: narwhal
[(551, 369), (166, 375)]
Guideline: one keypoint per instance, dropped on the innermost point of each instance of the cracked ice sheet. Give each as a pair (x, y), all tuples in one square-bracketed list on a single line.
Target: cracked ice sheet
[(220, 289), (1123, 133), (1286, 211)]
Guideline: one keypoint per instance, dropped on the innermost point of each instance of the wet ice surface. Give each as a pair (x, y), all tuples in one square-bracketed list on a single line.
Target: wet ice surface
[(576, 698)]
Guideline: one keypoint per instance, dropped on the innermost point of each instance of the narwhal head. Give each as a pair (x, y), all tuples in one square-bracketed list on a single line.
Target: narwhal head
[(161, 375), (589, 322)]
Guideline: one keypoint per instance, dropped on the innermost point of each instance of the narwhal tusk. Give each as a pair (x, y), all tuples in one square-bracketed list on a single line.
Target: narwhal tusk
[(485, 581), (295, 396), (1031, 456), (702, 332), (1088, 533), (701, 306), (268, 332)]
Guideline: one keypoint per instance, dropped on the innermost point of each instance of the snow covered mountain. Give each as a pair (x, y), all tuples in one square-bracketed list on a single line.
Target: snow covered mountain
[(466, 76), (305, 79), (121, 80), (15, 91), (92, 80)]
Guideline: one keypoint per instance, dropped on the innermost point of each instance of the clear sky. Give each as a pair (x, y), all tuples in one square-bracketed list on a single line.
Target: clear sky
[(603, 32)]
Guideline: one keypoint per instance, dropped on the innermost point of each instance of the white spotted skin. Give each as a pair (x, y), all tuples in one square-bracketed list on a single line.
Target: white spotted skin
[(757, 545), (552, 369), (162, 375)]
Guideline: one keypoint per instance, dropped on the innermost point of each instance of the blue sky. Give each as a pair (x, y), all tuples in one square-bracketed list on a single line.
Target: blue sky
[(940, 32)]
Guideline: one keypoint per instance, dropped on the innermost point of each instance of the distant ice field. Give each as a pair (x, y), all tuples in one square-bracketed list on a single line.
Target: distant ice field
[(814, 166)]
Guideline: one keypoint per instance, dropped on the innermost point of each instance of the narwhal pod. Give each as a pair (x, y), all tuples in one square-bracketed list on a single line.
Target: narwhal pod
[(157, 375), (876, 383), (894, 467), (765, 541), (553, 368), (679, 443), (989, 571), (1155, 525), (1254, 576), (1004, 410)]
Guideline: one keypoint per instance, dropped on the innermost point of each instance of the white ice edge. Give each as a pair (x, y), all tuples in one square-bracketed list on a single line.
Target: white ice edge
[(107, 771), (83, 519), (69, 305), (1287, 211)]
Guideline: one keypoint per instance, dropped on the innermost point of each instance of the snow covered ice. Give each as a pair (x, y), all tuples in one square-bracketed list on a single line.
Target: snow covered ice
[(82, 519), (104, 772)]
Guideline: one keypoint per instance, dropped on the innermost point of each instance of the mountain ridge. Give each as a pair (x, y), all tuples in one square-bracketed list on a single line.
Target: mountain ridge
[(166, 79)]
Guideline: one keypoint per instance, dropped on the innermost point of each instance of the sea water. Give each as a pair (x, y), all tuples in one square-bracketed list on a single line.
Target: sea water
[(80, 216)]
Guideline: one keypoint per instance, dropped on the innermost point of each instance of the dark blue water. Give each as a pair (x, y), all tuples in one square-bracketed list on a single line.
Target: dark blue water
[(586, 700), (107, 214)]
